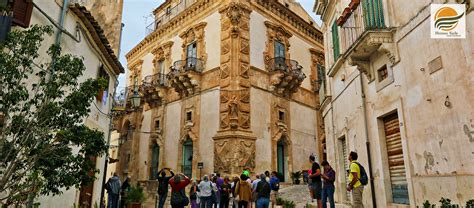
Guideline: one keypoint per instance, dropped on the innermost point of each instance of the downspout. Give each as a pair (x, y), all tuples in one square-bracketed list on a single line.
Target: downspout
[(61, 21), (367, 142)]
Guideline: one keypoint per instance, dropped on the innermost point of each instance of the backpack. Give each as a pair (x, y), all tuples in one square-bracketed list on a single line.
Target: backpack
[(364, 179)]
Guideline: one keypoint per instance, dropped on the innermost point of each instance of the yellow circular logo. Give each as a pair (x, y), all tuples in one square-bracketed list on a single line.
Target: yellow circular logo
[(446, 19)]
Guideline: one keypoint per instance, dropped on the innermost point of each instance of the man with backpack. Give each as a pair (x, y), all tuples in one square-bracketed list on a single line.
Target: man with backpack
[(163, 181), (357, 179), (263, 193), (275, 186)]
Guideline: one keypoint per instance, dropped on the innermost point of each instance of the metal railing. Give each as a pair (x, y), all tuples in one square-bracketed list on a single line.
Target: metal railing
[(189, 64), (155, 80), (282, 64), (169, 14), (367, 16)]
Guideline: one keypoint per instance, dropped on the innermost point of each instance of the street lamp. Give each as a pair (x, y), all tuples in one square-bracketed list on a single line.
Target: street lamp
[(135, 99)]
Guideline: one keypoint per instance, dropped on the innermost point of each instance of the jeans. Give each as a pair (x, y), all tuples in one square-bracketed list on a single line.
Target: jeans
[(243, 204), (206, 202), (224, 202), (112, 200), (263, 202), (328, 193), (162, 201)]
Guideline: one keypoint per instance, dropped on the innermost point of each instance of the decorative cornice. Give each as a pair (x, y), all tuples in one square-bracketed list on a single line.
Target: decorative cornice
[(292, 18), (177, 22), (278, 28)]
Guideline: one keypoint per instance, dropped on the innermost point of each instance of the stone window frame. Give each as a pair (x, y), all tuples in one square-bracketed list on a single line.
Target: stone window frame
[(381, 84), (136, 71), (276, 32), (162, 53), (196, 34)]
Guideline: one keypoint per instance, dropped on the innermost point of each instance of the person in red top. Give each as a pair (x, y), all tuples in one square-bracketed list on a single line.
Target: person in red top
[(178, 195)]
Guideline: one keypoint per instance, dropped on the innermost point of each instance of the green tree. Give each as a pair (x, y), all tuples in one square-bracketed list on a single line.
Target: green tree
[(44, 144)]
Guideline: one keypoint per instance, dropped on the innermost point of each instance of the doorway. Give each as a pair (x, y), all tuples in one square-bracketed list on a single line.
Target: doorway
[(282, 159), (188, 158)]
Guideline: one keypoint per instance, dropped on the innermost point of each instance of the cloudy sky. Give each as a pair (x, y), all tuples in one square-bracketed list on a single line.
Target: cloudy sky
[(137, 14)]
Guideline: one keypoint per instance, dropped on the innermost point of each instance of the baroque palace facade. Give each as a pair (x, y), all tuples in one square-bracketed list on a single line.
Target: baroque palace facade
[(225, 85)]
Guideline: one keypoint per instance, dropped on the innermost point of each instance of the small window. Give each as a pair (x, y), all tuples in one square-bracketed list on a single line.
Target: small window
[(189, 116), (287, 5), (22, 10), (102, 94), (281, 115), (382, 73), (157, 124), (168, 10)]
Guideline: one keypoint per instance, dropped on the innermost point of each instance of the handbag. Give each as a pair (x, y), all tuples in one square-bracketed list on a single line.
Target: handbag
[(179, 198)]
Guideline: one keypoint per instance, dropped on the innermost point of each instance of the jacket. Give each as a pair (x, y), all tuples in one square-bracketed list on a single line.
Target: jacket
[(244, 191)]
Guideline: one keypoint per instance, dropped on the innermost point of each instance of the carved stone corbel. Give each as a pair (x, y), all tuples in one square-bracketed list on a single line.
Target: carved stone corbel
[(391, 51), (363, 66)]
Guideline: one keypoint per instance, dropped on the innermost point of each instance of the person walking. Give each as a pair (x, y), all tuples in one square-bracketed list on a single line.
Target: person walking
[(163, 182), (235, 201), (243, 191), (193, 194), (329, 177), (225, 193), (315, 187), (123, 192), (275, 186), (354, 181), (178, 184), (254, 189), (263, 193), (113, 190), (206, 187)]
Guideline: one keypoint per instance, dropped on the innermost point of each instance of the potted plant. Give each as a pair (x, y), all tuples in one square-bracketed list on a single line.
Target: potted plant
[(5, 19), (279, 202), (296, 177), (289, 204), (135, 197)]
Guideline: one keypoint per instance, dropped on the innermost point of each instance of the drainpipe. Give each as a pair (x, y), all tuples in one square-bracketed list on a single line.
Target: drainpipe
[(61, 21), (367, 142)]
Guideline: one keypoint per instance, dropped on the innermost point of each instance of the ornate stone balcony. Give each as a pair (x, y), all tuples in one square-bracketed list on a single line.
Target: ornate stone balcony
[(363, 33), (185, 76), (153, 89), (286, 76)]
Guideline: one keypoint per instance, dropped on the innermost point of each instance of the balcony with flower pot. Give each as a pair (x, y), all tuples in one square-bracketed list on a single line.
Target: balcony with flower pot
[(185, 76), (286, 76)]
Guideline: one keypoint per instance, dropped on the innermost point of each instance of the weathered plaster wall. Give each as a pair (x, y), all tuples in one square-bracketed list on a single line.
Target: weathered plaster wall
[(260, 103), (258, 39), (171, 134), (208, 127), (144, 146), (212, 38), (303, 135)]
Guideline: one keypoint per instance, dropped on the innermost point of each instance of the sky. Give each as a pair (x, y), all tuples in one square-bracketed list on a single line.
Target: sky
[(137, 14)]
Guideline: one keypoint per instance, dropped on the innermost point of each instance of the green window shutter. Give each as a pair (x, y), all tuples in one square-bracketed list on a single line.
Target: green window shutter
[(335, 41), (373, 12)]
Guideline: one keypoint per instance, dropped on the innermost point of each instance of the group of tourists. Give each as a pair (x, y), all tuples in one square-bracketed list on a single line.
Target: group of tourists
[(257, 191), (215, 191), (321, 184)]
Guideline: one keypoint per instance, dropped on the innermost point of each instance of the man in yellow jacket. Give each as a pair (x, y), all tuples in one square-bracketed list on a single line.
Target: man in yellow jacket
[(354, 181)]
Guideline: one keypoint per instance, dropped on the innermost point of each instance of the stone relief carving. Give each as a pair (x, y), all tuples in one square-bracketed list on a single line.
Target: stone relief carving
[(235, 109), (233, 155)]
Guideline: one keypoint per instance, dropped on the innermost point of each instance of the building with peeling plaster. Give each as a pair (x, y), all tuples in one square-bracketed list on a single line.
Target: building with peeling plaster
[(403, 101)]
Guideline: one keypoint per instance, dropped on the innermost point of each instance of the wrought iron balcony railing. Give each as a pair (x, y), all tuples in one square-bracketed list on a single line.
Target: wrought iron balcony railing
[(367, 16), (189, 64), (155, 80), (282, 64), (169, 14), (121, 99)]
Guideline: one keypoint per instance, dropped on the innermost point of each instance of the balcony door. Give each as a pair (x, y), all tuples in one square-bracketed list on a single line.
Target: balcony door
[(191, 55), (280, 56)]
